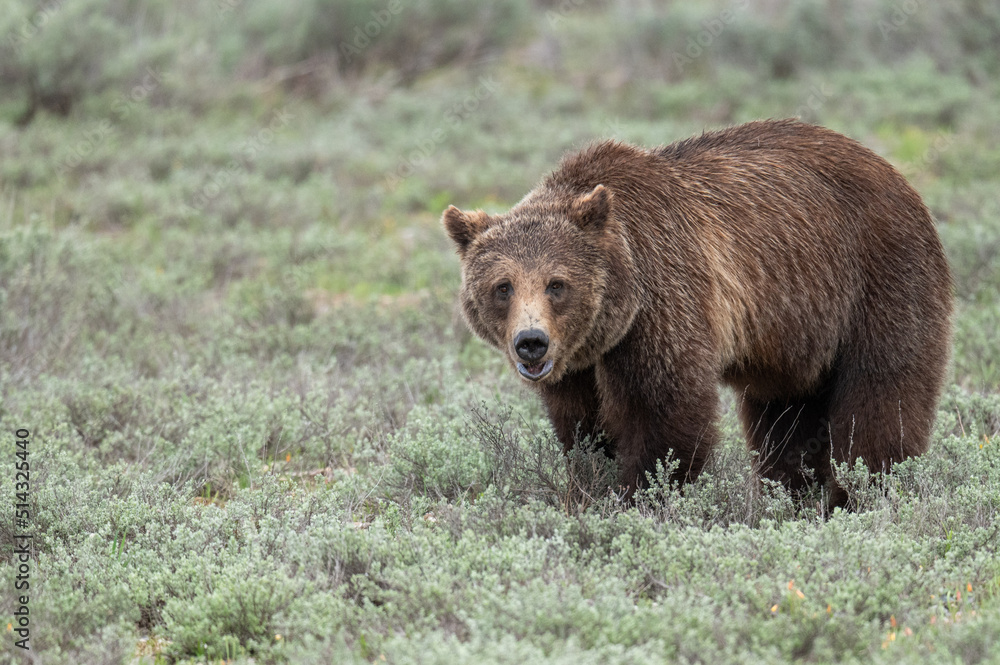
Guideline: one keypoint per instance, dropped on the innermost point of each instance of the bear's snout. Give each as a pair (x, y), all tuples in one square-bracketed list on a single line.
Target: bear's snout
[(531, 344)]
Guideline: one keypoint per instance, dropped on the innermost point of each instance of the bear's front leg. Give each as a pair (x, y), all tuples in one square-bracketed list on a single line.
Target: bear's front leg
[(573, 406), (652, 406)]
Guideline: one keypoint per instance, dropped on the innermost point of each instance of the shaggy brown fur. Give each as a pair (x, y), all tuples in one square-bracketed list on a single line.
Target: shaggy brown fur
[(780, 258)]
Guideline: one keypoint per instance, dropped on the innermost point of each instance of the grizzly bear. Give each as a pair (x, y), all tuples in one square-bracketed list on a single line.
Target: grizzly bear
[(780, 258)]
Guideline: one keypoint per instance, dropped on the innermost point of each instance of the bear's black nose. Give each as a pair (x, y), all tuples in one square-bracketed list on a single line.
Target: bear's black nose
[(531, 344)]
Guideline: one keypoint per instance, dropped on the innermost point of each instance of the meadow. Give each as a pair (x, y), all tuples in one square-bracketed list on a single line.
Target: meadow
[(259, 431)]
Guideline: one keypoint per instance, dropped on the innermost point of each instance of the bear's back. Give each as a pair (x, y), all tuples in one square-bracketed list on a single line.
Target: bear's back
[(767, 225)]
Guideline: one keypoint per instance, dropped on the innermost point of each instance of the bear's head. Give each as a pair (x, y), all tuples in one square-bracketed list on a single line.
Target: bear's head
[(540, 282)]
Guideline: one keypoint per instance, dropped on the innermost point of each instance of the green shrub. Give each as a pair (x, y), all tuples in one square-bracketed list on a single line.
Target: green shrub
[(410, 37), (787, 39), (253, 401)]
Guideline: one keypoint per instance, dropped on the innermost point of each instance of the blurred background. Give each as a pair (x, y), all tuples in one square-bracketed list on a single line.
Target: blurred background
[(221, 257), (249, 190), (292, 157)]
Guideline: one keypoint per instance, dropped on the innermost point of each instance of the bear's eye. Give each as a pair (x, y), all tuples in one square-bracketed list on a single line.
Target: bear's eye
[(504, 289), (555, 287)]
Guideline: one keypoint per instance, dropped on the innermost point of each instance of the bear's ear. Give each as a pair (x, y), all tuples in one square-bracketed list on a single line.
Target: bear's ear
[(463, 227), (591, 211)]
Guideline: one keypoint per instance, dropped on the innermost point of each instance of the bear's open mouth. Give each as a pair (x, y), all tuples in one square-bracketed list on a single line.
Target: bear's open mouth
[(536, 371)]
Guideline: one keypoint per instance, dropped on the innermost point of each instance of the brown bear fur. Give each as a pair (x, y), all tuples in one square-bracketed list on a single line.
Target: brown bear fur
[(777, 257)]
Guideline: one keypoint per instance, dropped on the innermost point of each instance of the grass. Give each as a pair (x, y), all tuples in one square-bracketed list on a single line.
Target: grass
[(261, 431)]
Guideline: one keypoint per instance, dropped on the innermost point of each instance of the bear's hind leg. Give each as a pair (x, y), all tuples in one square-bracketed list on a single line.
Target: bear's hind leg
[(791, 438), (873, 417)]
